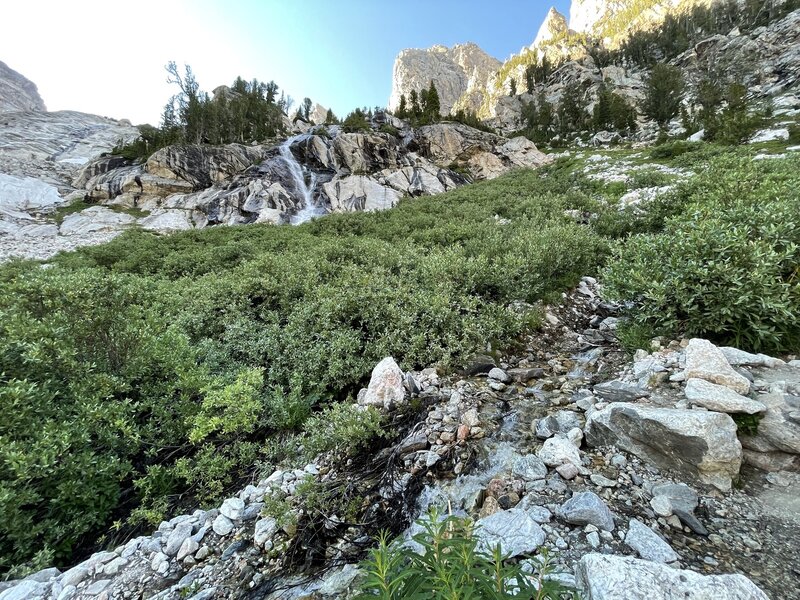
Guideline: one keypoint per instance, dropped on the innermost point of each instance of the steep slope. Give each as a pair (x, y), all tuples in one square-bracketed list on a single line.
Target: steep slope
[(18, 92), (460, 73)]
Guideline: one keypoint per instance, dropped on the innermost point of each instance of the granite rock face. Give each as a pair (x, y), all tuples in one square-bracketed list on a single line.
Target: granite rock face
[(17, 92), (460, 74)]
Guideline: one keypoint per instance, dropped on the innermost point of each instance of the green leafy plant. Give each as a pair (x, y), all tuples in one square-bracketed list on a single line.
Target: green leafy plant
[(725, 266), (450, 564)]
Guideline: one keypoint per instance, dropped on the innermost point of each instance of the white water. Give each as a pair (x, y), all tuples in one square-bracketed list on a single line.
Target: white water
[(309, 209)]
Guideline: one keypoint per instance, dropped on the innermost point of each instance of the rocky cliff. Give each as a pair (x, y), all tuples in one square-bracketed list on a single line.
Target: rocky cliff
[(17, 92), (185, 187), (460, 74)]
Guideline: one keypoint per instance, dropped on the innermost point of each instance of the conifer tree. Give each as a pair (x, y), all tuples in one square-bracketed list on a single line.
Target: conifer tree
[(663, 93), (415, 107), (433, 106), (402, 109), (512, 87)]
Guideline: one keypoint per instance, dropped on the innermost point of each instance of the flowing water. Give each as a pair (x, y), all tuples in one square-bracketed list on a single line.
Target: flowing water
[(304, 184)]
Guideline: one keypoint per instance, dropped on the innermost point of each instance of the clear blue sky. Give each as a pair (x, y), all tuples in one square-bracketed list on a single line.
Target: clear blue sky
[(96, 56)]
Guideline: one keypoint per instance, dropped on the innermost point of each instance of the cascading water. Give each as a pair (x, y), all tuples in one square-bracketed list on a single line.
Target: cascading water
[(304, 188)]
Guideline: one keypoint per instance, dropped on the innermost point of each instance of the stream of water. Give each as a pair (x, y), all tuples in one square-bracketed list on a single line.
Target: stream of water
[(304, 184)]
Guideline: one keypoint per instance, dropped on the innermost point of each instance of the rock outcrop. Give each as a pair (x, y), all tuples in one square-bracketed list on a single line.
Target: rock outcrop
[(460, 73), (554, 25), (18, 93), (603, 577)]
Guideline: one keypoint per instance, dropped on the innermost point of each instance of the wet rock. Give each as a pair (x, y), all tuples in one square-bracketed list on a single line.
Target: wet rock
[(515, 531), (647, 544), (587, 508), (414, 442), (386, 388), (529, 467), (705, 361), (720, 398), (603, 577), (525, 375), (620, 391), (562, 422), (697, 443)]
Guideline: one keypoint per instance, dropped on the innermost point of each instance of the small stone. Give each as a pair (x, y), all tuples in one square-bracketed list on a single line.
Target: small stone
[(601, 481), (585, 508), (499, 375), (559, 450), (529, 467), (594, 539), (568, 471), (96, 587), (188, 547), (222, 525), (202, 553), (661, 506), (470, 418), (232, 508)]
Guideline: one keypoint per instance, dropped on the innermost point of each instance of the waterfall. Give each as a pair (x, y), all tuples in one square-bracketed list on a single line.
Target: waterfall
[(309, 209)]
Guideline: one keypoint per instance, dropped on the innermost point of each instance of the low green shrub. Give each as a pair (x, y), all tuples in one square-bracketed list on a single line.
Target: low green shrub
[(673, 149), (726, 266), (450, 566)]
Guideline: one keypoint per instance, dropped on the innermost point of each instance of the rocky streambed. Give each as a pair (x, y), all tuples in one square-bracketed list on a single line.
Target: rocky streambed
[(651, 505)]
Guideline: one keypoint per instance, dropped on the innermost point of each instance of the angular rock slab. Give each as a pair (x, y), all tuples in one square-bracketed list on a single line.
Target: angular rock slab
[(700, 444), (705, 361), (515, 531), (603, 577), (386, 388), (720, 398), (647, 543)]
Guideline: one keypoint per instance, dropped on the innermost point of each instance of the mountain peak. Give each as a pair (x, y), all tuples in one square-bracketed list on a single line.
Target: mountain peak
[(554, 24), (17, 92)]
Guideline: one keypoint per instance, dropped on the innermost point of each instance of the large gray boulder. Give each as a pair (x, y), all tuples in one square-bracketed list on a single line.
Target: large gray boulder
[(700, 444), (203, 166), (603, 577)]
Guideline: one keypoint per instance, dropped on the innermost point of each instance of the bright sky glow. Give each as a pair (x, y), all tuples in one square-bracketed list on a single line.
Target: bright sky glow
[(107, 57)]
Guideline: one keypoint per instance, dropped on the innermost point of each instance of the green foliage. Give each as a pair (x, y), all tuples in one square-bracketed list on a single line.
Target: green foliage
[(725, 267), (612, 112), (468, 117), (248, 111), (572, 116), (794, 133), (747, 424), (634, 336), (389, 129), (90, 374), (673, 149), (150, 374), (512, 87), (342, 428), (423, 108), (663, 93), (451, 566), (356, 122)]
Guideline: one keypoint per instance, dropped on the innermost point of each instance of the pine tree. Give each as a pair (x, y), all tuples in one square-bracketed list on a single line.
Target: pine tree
[(512, 87), (306, 108), (402, 109), (416, 111), (663, 93), (433, 107)]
